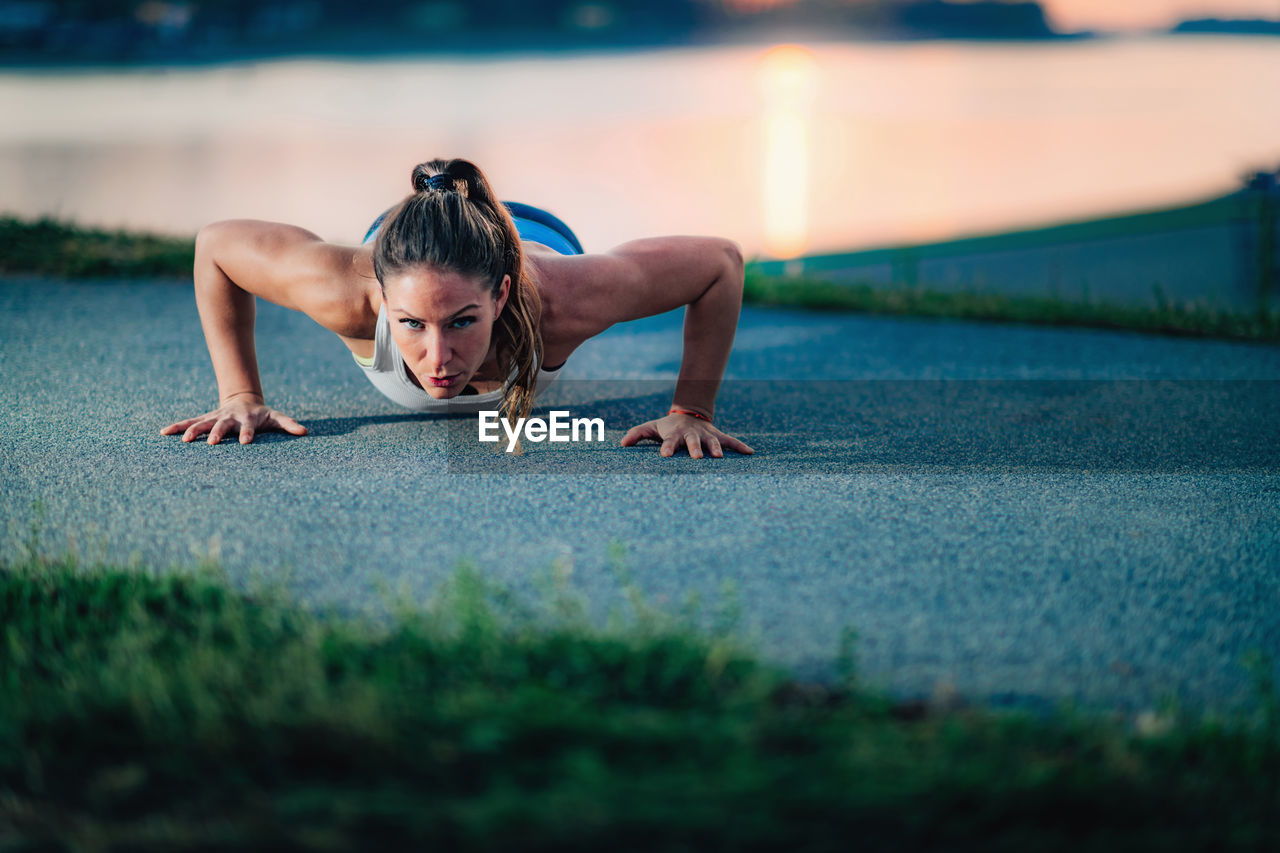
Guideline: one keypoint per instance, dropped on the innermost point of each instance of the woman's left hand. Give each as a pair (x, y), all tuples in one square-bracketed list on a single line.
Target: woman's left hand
[(677, 430)]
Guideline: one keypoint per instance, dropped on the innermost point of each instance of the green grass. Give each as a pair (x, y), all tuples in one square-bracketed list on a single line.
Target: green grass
[(819, 294), (50, 247), (53, 248), (147, 711)]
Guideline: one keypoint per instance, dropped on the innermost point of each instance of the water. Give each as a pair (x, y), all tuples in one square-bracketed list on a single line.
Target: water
[(833, 146)]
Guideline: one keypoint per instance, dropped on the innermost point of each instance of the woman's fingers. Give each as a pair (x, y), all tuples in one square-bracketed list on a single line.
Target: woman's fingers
[(699, 440), (640, 433), (197, 429), (288, 424), (689, 440), (221, 428), (710, 443), (245, 422), (178, 427)]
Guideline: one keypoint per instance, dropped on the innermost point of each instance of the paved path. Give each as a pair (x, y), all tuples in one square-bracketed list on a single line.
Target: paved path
[(1097, 518)]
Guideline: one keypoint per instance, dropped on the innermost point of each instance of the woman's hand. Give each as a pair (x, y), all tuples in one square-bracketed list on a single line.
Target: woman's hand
[(677, 430), (247, 414)]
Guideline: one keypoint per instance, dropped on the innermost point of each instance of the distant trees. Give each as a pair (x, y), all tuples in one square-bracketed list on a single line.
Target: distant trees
[(138, 29), (974, 20)]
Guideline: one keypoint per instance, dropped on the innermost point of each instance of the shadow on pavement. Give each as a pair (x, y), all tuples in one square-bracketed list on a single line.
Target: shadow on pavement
[(834, 426)]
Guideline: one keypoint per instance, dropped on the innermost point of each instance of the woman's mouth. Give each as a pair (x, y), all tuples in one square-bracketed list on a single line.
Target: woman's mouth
[(444, 382)]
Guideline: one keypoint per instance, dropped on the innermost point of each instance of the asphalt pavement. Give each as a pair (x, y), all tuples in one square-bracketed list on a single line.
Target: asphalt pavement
[(1025, 515)]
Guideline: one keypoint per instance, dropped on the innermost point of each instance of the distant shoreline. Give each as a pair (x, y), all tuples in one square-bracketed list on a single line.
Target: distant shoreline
[(1229, 27), (463, 48), (237, 30), (509, 48)]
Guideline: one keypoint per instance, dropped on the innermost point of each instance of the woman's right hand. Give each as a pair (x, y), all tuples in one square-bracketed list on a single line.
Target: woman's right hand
[(246, 413)]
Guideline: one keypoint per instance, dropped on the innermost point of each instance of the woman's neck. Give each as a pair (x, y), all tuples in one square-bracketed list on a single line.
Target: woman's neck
[(489, 371)]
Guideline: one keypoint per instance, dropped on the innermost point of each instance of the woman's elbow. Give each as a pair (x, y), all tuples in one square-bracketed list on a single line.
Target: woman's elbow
[(728, 269), (724, 287), (207, 240), (733, 277), (733, 260)]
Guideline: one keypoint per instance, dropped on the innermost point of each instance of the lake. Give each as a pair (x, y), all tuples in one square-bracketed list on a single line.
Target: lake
[(785, 148)]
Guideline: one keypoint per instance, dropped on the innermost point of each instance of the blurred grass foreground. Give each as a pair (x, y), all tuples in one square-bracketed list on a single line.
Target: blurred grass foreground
[(168, 711)]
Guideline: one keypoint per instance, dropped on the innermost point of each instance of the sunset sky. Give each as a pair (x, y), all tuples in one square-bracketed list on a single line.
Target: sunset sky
[(1074, 15)]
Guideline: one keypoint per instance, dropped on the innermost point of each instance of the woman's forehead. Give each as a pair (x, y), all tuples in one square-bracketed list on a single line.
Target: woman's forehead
[(422, 289)]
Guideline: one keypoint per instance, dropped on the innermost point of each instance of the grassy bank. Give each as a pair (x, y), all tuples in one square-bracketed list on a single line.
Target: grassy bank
[(141, 711), (815, 293), (53, 248), (49, 247)]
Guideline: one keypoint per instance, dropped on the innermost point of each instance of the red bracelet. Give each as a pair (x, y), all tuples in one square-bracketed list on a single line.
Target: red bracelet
[(675, 411)]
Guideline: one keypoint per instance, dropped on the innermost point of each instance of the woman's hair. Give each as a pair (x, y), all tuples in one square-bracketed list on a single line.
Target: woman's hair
[(453, 221)]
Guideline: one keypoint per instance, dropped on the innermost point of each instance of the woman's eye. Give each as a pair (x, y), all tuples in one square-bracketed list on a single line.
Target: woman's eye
[(460, 323)]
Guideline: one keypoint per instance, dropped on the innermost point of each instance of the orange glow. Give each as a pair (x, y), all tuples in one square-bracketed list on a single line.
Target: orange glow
[(787, 77), (1076, 15), (752, 7)]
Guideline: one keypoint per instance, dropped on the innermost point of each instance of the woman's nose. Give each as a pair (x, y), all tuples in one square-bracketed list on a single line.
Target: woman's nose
[(437, 354)]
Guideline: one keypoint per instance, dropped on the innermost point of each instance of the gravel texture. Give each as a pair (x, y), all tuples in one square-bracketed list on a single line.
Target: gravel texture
[(1026, 515)]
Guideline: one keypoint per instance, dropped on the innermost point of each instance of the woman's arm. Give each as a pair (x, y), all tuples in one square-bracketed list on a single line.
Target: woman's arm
[(227, 313), (235, 261), (647, 277)]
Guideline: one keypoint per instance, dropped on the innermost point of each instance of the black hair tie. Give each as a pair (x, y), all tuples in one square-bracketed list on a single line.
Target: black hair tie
[(441, 182)]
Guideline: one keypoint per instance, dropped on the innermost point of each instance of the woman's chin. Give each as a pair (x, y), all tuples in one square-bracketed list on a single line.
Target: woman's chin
[(442, 393)]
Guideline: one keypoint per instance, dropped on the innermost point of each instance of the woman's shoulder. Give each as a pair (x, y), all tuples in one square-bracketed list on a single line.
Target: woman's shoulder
[(639, 278), (579, 293), (561, 283), (358, 329), (293, 267)]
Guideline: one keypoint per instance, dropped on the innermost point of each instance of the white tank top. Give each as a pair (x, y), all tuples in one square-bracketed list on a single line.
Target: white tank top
[(390, 375)]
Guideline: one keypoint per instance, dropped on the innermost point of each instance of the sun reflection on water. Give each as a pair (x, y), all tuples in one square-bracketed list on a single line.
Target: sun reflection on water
[(787, 79)]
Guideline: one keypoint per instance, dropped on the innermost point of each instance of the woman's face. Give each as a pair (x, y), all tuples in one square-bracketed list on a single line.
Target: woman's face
[(443, 323)]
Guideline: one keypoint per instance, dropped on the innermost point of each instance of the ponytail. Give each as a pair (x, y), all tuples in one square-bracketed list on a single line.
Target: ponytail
[(453, 221)]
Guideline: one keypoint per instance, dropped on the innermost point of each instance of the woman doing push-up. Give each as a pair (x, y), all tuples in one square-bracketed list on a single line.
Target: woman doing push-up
[(457, 302)]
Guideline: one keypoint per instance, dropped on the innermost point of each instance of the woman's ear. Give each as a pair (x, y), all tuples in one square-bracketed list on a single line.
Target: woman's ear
[(504, 290)]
